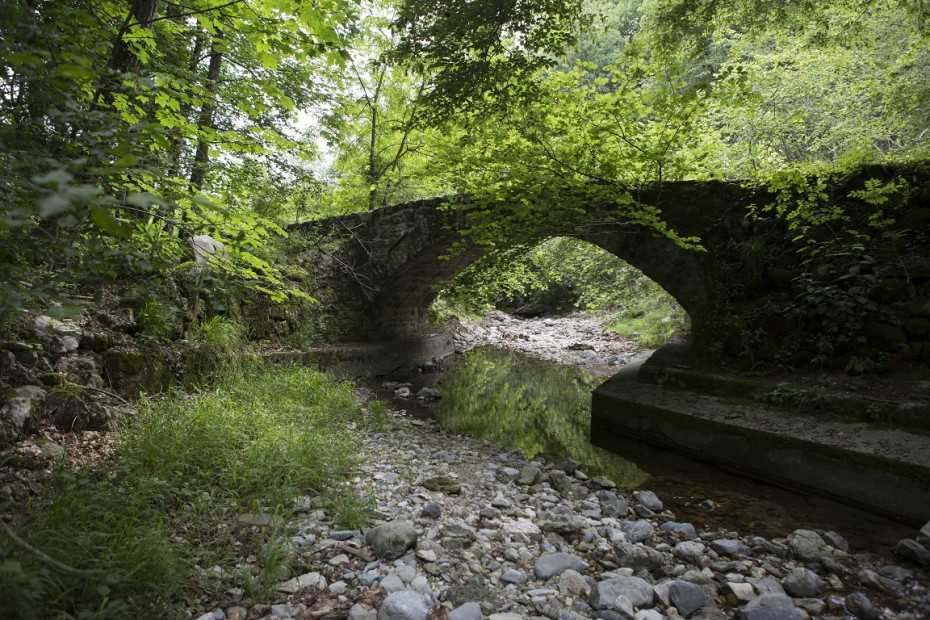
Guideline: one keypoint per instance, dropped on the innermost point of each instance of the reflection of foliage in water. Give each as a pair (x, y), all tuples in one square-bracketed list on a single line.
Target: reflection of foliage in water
[(539, 407)]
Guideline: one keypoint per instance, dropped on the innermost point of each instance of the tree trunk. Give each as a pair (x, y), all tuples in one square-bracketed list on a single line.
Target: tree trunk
[(373, 172), (122, 57), (177, 144), (202, 156)]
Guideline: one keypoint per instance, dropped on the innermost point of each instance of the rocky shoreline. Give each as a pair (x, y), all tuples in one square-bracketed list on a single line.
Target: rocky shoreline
[(575, 339), (465, 531)]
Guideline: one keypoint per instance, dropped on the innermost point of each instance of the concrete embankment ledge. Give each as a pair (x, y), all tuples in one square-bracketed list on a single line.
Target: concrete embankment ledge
[(884, 467)]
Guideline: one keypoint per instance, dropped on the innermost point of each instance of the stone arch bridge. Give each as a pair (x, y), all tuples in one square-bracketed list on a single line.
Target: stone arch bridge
[(394, 257)]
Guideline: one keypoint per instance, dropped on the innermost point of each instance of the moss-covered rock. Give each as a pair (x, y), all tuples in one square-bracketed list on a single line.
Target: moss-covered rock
[(73, 409), (132, 372)]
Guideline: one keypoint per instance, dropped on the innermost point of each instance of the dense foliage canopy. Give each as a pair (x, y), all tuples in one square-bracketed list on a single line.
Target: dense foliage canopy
[(127, 127)]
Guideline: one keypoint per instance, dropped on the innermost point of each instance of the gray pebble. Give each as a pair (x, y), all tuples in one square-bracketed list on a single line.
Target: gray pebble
[(512, 575), (552, 564)]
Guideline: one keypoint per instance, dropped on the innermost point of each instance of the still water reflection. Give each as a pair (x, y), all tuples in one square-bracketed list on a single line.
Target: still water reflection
[(540, 407), (543, 408)]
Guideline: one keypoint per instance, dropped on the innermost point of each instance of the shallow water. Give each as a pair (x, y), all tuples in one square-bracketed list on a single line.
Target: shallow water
[(543, 409)]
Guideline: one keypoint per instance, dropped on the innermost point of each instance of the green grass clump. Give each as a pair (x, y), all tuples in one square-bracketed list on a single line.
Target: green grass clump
[(131, 535), (649, 319), (218, 334)]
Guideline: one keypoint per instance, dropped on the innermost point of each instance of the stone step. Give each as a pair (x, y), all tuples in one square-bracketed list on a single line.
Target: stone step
[(899, 408), (879, 467)]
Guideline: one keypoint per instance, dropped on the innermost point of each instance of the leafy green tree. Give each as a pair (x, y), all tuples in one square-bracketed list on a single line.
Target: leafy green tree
[(109, 117)]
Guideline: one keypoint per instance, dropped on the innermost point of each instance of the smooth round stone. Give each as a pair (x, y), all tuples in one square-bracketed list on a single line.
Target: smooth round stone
[(405, 605), (637, 531), (685, 530), (468, 611), (771, 607), (689, 551), (431, 510), (392, 583), (391, 540), (807, 545), (803, 583), (729, 547), (649, 500), (552, 564), (513, 576), (859, 605)]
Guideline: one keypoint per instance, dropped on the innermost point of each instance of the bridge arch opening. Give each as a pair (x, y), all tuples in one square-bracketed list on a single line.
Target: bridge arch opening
[(562, 275), (558, 275)]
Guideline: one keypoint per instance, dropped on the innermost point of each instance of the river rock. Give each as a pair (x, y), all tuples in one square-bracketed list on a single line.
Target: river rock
[(529, 475), (391, 540), (564, 484), (561, 524), (835, 540), (807, 545), (458, 595), (573, 583), (604, 482), (392, 583), (512, 575), (405, 605), (687, 597), (771, 607), (639, 556), (59, 337), (443, 484), (766, 585), (647, 614), (637, 531), (358, 612), (20, 415), (553, 564), (871, 579), (431, 510), (612, 505), (689, 551), (681, 530), (429, 394), (729, 547), (739, 592), (649, 500), (80, 370), (74, 410), (859, 605), (468, 611), (638, 591), (803, 583), (913, 550)]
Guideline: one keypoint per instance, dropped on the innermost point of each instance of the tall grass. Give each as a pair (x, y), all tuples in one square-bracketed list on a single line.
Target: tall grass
[(135, 532), (649, 320)]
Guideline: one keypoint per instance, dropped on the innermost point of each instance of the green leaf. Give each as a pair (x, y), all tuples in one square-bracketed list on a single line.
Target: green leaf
[(54, 179), (53, 204), (107, 222)]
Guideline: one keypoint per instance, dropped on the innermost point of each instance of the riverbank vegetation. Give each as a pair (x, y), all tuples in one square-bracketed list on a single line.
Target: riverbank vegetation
[(128, 129), (152, 524)]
